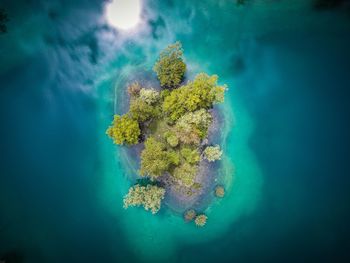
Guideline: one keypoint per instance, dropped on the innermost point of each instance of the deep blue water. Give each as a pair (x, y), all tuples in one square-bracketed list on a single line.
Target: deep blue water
[(288, 68)]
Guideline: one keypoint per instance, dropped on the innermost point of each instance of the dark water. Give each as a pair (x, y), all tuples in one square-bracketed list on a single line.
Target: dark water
[(288, 68)]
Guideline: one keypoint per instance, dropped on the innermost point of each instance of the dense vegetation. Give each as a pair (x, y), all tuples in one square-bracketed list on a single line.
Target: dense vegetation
[(173, 123)]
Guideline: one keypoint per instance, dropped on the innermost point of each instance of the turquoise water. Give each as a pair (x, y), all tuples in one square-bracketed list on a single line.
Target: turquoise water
[(63, 74)]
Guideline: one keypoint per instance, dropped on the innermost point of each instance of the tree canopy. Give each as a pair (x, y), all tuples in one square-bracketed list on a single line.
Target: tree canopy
[(170, 67), (124, 130), (185, 174), (156, 159), (203, 92)]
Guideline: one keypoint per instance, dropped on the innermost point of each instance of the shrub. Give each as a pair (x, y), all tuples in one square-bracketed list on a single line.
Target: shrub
[(149, 197), (219, 191), (191, 156), (170, 67), (172, 140), (212, 153), (124, 130), (185, 174), (201, 220), (190, 215)]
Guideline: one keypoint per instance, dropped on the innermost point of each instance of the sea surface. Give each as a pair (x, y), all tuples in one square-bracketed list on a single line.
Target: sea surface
[(63, 74)]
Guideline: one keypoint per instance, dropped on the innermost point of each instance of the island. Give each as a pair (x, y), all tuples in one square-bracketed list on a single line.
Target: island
[(171, 125)]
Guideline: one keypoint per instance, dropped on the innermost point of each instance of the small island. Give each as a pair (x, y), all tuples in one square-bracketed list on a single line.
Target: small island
[(172, 124)]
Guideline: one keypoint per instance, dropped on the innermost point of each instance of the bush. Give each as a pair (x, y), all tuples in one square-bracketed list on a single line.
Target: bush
[(219, 191), (185, 174), (201, 220), (191, 156), (172, 140), (149, 197), (212, 153), (190, 215), (170, 67), (124, 130), (155, 159)]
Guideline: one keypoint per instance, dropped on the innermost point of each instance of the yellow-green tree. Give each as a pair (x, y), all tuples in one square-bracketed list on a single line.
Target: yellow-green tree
[(190, 155), (150, 197), (156, 159), (203, 92), (142, 111), (170, 67), (193, 126), (124, 130), (185, 174)]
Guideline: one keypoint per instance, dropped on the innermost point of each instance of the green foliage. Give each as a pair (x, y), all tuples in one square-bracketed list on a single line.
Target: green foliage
[(212, 153), (164, 93), (170, 67), (191, 156), (185, 174), (142, 111), (193, 126), (201, 220), (171, 139), (150, 96), (124, 130), (149, 197), (156, 159), (134, 89), (203, 92)]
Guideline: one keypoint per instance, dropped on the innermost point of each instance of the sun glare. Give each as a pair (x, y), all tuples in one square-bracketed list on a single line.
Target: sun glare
[(123, 14)]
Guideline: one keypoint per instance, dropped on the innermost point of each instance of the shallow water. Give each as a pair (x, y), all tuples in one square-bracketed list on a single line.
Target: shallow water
[(63, 73)]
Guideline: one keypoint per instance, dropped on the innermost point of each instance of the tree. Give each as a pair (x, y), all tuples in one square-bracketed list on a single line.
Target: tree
[(201, 220), (170, 67), (142, 111), (203, 92), (212, 153), (193, 126), (150, 96), (124, 130), (155, 159), (191, 156), (149, 197), (185, 174)]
